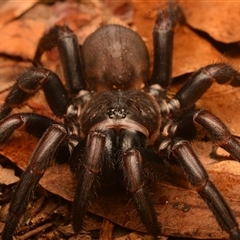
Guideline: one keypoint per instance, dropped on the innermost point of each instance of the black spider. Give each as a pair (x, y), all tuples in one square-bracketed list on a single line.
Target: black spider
[(113, 118)]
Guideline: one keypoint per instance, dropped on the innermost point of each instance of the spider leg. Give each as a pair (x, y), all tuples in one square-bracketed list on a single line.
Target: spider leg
[(39, 161), (90, 169), (163, 34), (213, 126), (34, 124), (135, 179), (99, 151), (29, 82), (66, 41), (199, 179), (187, 129), (202, 79), (134, 175)]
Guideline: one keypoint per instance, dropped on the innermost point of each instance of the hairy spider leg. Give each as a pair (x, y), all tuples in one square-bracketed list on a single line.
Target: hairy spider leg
[(218, 131), (101, 148), (199, 179), (132, 168), (29, 83), (202, 79), (47, 146), (90, 168), (67, 43), (163, 34), (196, 173)]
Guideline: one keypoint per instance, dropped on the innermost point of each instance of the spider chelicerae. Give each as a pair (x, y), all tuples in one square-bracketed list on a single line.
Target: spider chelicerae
[(114, 117)]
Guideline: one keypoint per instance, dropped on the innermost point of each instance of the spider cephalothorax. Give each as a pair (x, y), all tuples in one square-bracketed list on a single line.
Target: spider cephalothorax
[(113, 116)]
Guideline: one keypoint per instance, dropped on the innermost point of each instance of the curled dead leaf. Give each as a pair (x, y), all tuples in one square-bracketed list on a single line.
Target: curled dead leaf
[(179, 209), (15, 37), (7, 176), (10, 10), (219, 19)]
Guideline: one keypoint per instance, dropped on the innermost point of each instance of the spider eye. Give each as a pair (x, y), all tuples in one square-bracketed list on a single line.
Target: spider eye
[(110, 113), (114, 113)]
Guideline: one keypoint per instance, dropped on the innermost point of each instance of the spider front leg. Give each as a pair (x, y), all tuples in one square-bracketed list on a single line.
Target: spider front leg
[(89, 169), (133, 172), (100, 152), (49, 143), (66, 41), (136, 185), (29, 82), (199, 179)]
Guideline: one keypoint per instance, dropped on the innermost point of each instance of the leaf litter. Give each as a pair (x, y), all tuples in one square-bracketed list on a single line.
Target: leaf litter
[(179, 208)]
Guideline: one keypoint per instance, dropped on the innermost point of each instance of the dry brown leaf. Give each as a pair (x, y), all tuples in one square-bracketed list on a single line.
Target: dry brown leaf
[(179, 210), (20, 38), (220, 19), (19, 148), (10, 9), (223, 102), (7, 176), (123, 10), (9, 71), (192, 52)]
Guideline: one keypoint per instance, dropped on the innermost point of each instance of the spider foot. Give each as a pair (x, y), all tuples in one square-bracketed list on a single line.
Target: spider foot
[(11, 224), (234, 234)]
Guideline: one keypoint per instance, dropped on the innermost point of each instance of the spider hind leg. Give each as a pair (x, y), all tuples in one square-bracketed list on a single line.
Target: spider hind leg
[(199, 179), (194, 169)]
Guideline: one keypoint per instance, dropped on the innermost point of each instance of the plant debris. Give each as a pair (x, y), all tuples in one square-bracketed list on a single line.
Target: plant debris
[(208, 33)]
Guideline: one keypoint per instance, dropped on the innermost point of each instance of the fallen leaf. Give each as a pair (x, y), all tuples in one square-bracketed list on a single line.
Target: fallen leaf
[(179, 209), (187, 57), (122, 10), (7, 176), (24, 144), (10, 10), (15, 37), (220, 19), (9, 71)]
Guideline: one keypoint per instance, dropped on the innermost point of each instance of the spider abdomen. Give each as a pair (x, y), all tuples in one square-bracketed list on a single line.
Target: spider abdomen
[(115, 57)]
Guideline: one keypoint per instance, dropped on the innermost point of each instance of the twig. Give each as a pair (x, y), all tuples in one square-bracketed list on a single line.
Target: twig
[(106, 232), (35, 231)]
